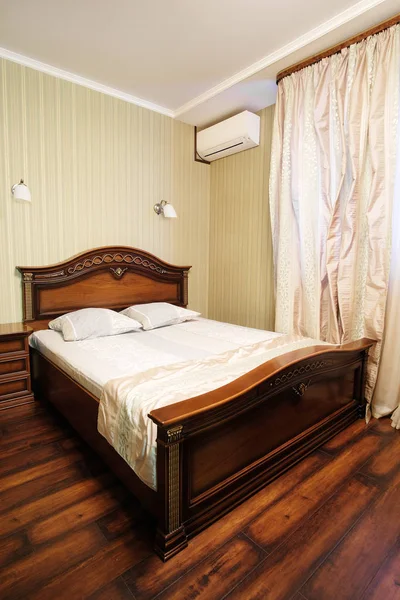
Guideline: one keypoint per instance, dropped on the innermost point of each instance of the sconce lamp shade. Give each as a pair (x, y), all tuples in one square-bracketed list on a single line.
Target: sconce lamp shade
[(20, 191), (165, 209), (170, 212)]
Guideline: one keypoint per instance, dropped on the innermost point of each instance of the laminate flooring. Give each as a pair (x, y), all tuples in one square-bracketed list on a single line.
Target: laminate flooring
[(328, 529)]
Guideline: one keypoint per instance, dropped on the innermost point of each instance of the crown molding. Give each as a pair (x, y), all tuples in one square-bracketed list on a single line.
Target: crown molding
[(309, 37), (341, 19), (88, 83)]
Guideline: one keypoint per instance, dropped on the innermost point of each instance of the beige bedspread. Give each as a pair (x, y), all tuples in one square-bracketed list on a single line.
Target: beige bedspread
[(126, 402)]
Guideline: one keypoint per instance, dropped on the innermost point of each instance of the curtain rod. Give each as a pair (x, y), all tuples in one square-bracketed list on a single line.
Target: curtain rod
[(335, 49)]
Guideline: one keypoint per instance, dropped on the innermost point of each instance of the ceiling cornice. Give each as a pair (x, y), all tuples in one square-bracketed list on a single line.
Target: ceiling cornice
[(309, 37), (312, 35), (88, 83)]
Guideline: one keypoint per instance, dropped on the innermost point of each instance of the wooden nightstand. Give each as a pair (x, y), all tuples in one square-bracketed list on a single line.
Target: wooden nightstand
[(15, 373)]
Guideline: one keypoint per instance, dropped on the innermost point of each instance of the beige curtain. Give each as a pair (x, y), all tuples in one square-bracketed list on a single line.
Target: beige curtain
[(387, 392), (331, 193)]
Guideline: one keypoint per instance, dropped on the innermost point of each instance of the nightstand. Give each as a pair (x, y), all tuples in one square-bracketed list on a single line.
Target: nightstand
[(15, 373)]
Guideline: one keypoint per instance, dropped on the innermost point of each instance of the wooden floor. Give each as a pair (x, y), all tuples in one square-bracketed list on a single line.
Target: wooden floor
[(329, 529)]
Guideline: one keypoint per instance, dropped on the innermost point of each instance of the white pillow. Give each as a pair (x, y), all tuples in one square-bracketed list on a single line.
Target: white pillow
[(159, 314), (92, 323)]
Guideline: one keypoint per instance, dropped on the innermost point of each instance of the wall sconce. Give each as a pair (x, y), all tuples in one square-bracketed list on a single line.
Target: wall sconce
[(165, 209), (20, 191)]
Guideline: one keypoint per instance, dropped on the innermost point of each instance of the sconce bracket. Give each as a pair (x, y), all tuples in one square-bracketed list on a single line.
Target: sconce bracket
[(158, 208)]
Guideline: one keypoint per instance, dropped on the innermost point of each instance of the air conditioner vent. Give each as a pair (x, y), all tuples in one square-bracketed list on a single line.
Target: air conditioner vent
[(224, 149)]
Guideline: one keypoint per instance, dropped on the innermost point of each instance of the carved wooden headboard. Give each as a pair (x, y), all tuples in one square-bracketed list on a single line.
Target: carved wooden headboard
[(108, 277)]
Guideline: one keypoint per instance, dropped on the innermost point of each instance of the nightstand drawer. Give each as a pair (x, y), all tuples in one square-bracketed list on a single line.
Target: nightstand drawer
[(12, 345), (15, 379), (12, 389), (12, 366)]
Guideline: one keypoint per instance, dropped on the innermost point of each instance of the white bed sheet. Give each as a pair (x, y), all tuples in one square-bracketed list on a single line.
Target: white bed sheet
[(92, 363)]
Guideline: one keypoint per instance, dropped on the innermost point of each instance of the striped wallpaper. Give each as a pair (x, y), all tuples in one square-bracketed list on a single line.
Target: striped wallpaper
[(95, 166), (241, 265)]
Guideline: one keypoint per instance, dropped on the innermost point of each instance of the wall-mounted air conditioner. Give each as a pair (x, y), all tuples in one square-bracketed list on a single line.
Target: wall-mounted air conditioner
[(238, 133)]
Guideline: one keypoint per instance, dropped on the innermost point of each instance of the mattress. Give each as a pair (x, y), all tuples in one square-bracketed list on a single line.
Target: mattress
[(92, 363)]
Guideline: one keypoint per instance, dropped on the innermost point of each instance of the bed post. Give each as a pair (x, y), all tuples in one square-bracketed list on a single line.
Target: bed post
[(171, 536), (360, 382)]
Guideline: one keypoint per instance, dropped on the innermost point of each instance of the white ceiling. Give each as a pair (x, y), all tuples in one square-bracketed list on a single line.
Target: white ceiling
[(198, 61)]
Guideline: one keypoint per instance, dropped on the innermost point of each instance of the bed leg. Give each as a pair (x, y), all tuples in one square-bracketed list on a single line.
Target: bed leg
[(171, 536), (167, 545)]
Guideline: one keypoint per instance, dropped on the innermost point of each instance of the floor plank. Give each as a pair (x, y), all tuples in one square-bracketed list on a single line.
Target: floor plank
[(218, 573), (97, 571), (14, 433), (12, 429), (41, 510), (36, 569), (78, 514), (356, 429), (354, 563), (386, 583), (27, 475), (28, 444), (289, 566), (385, 463), (345, 437), (271, 526), (123, 519), (116, 590), (27, 458), (18, 414), (13, 548), (53, 481), (383, 426)]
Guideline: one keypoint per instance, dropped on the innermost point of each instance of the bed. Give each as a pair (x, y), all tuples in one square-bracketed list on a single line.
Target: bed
[(215, 449)]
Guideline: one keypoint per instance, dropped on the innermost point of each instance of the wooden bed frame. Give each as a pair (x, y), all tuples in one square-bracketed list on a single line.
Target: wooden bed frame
[(214, 450)]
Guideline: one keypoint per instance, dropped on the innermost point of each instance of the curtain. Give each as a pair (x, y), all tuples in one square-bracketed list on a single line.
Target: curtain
[(387, 392), (332, 183)]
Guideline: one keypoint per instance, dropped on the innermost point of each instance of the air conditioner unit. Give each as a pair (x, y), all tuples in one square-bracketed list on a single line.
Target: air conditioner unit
[(238, 133)]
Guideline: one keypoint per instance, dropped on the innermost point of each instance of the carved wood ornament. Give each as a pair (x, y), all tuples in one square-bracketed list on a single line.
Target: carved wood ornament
[(130, 258), (118, 272)]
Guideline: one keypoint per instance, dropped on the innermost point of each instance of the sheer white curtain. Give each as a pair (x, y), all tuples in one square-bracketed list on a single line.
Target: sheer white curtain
[(332, 181)]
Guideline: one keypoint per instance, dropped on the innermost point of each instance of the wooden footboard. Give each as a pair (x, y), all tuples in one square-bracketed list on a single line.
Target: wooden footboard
[(219, 448)]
